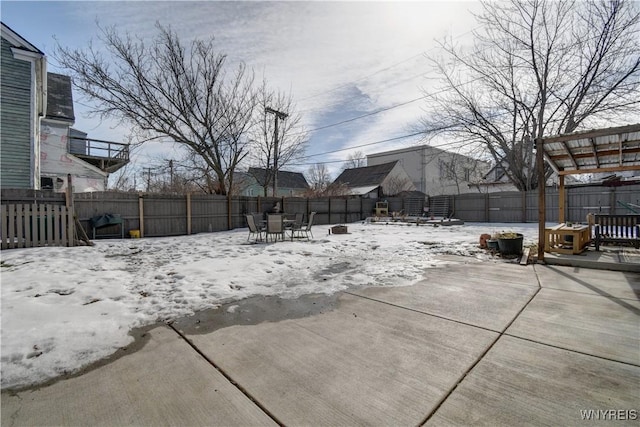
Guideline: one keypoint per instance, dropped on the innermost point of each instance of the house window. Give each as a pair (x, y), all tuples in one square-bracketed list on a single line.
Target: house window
[(251, 192), (467, 174), (46, 183)]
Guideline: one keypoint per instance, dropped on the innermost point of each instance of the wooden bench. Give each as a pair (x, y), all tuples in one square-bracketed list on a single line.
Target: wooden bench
[(617, 229)]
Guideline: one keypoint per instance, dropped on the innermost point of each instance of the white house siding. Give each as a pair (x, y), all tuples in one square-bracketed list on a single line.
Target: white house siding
[(423, 166), (56, 162)]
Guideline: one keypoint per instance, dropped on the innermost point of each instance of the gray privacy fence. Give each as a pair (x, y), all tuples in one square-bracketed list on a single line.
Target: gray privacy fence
[(158, 215), (523, 206)]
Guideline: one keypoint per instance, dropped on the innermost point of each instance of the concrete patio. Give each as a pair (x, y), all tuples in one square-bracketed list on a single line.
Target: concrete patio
[(489, 343), (614, 258)]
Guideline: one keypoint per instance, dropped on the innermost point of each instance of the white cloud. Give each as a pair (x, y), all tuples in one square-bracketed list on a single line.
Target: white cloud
[(339, 59)]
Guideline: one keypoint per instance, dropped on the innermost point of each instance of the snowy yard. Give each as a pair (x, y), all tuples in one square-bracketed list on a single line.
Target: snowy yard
[(64, 308)]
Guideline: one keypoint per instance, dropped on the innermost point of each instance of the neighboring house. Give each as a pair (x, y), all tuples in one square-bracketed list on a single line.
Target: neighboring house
[(494, 181), (23, 87), (290, 184), (434, 171), (38, 146), (377, 181)]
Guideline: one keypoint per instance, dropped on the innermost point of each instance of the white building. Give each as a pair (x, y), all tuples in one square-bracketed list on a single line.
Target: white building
[(434, 171)]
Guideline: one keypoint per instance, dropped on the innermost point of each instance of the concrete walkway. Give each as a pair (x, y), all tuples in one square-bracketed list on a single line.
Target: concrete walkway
[(471, 344)]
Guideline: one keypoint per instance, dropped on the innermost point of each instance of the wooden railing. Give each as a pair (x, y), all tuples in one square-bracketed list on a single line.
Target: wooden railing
[(29, 225), (99, 149)]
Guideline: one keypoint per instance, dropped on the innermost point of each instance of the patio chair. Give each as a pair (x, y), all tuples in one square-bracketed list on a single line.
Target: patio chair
[(275, 226), (254, 229), (305, 229)]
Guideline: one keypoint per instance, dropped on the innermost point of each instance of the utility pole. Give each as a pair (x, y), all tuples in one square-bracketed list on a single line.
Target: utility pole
[(148, 178), (279, 115)]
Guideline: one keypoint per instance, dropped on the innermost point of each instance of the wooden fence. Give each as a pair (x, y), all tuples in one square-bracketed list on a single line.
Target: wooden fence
[(157, 215), (514, 206), (30, 225)]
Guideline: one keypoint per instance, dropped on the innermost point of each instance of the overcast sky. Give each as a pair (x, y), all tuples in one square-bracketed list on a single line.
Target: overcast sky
[(340, 60)]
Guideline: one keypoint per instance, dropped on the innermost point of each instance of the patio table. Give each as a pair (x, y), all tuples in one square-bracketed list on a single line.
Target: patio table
[(556, 238)]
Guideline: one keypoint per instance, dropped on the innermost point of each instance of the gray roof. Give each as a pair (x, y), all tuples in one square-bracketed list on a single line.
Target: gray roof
[(285, 179), (59, 97), (368, 175), (16, 40)]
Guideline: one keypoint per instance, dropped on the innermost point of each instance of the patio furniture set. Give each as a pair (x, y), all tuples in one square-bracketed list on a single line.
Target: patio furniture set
[(602, 228), (278, 225)]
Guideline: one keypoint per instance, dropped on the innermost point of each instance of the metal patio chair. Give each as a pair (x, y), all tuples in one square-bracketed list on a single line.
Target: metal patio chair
[(275, 227), (254, 228), (305, 229)]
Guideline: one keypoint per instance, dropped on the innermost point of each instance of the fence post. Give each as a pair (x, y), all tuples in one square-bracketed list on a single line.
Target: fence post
[(188, 213), (19, 218), (486, 207), (4, 217), (28, 226), (141, 213), (71, 235)]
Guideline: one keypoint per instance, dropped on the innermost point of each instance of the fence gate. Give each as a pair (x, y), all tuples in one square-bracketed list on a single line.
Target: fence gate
[(30, 225)]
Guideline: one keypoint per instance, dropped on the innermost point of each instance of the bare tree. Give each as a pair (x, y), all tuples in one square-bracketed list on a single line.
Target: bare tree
[(336, 189), (318, 178), (538, 68), (291, 140), (123, 180), (397, 184), (181, 92), (356, 159)]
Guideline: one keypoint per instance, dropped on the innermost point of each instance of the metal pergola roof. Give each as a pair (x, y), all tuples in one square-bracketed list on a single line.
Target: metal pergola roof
[(613, 149)]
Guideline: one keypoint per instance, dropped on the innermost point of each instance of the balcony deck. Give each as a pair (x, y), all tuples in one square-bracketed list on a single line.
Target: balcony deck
[(108, 156)]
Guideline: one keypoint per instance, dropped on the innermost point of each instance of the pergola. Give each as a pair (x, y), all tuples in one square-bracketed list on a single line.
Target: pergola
[(615, 149)]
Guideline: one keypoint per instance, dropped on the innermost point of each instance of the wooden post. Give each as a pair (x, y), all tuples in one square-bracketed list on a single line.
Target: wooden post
[(346, 210), (188, 213), (541, 197), (141, 213), (561, 201), (229, 220), (71, 235), (486, 208)]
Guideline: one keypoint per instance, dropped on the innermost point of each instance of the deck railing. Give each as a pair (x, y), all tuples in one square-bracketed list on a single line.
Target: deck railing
[(99, 149)]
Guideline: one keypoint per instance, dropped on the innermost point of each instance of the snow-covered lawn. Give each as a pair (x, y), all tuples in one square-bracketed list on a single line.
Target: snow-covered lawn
[(64, 308)]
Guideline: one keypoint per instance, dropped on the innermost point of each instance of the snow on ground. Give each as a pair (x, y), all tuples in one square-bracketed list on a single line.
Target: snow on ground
[(65, 308)]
